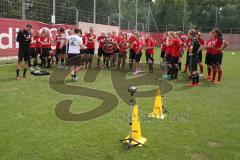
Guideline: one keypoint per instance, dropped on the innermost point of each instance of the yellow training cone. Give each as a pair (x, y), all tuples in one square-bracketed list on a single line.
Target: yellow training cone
[(158, 107), (135, 135)]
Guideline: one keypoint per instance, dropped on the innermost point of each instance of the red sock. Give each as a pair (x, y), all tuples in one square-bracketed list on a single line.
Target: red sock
[(201, 68), (209, 71), (219, 74), (214, 74)]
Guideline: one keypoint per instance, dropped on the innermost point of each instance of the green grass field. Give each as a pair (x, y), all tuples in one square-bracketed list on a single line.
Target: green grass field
[(203, 122)]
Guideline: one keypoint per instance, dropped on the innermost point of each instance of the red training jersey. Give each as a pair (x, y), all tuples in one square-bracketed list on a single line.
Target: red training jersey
[(163, 45), (58, 41), (101, 40), (38, 41), (84, 39), (169, 47), (176, 47), (46, 42), (217, 44), (208, 46), (138, 44), (90, 40), (115, 39), (123, 44), (33, 43), (109, 46), (201, 41), (188, 44), (131, 40), (150, 43)]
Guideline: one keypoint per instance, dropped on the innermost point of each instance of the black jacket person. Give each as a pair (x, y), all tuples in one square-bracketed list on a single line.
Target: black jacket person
[(193, 53), (24, 40)]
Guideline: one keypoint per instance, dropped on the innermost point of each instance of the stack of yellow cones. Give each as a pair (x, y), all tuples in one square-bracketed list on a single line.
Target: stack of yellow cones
[(136, 130), (158, 107)]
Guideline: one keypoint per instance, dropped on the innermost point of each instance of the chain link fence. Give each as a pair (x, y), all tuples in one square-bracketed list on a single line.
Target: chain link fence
[(204, 20)]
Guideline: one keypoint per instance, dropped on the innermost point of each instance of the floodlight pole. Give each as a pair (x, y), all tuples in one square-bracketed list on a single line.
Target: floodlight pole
[(94, 12)]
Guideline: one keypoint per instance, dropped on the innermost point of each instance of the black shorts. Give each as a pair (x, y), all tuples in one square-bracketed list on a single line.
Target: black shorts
[(45, 52), (138, 57), (200, 57), (150, 56), (83, 51), (116, 51), (73, 60), (146, 55), (32, 52), (61, 51), (162, 54), (208, 59), (90, 51), (174, 60), (193, 61), (122, 55), (132, 54), (108, 55), (23, 54), (38, 51), (64, 50), (168, 58), (58, 52), (217, 59), (100, 52)]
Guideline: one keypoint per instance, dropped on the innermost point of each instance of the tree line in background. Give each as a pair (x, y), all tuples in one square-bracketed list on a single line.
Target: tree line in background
[(190, 13)]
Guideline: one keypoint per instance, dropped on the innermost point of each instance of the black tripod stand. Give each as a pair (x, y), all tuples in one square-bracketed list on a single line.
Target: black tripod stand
[(129, 140)]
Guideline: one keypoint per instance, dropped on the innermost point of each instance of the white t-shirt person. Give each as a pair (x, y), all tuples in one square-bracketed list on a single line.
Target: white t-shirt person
[(74, 44)]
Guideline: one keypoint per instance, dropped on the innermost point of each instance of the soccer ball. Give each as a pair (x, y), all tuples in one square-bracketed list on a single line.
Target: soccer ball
[(233, 53)]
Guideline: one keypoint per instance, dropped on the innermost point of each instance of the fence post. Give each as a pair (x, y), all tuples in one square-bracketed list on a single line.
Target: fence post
[(184, 15), (23, 10), (94, 12), (216, 17), (77, 11), (119, 14), (108, 20), (54, 10), (143, 29), (136, 18)]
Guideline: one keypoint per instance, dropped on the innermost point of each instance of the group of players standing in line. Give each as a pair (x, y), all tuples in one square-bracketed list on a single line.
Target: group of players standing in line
[(113, 49), (173, 44)]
